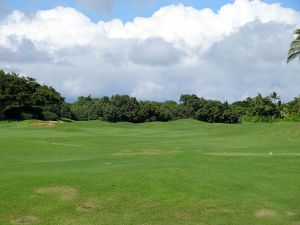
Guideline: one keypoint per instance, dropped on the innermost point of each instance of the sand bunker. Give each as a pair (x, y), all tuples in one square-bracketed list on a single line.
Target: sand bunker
[(44, 124)]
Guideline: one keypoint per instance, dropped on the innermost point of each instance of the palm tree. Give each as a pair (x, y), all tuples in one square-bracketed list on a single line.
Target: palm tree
[(274, 96), (294, 51)]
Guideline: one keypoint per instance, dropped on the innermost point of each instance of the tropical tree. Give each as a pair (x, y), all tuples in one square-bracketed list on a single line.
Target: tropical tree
[(191, 104), (294, 51), (274, 96), (295, 105), (23, 93)]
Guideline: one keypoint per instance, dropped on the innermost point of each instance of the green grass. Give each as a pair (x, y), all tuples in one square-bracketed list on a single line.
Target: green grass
[(182, 172)]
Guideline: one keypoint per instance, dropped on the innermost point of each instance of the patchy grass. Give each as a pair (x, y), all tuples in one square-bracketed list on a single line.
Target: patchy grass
[(23, 220), (183, 172), (265, 213), (64, 193)]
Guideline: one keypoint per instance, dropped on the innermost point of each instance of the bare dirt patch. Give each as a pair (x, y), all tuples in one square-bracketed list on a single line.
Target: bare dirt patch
[(64, 193), (44, 124), (85, 206), (24, 220), (265, 213), (291, 214)]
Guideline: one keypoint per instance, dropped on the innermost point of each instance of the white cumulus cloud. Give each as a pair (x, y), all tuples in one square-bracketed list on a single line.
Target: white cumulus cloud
[(148, 90), (239, 50)]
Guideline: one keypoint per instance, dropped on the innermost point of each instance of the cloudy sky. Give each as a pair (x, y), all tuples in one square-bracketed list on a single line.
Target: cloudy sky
[(153, 49)]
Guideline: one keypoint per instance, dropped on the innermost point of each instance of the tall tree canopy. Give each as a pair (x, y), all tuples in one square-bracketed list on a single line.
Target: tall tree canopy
[(24, 98), (17, 91), (294, 51)]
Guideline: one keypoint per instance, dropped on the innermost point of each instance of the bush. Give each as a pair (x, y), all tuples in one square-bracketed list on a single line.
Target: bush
[(47, 115), (293, 117), (26, 116), (259, 119), (66, 112), (229, 116), (23, 113)]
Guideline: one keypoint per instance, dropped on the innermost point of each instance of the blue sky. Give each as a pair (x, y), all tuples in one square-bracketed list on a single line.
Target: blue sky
[(126, 10), (179, 50)]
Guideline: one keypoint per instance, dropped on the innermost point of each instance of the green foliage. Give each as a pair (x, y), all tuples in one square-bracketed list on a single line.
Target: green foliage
[(294, 105), (259, 108), (21, 96), (154, 111), (262, 107), (49, 116), (293, 117), (17, 91), (190, 105), (87, 108), (148, 111), (257, 119), (26, 116), (23, 113), (66, 111), (120, 108), (207, 110), (294, 51)]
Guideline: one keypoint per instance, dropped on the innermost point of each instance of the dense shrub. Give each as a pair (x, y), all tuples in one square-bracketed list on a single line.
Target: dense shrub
[(293, 117), (47, 115), (153, 111), (208, 110), (23, 113), (65, 111), (17, 93), (26, 116), (257, 119)]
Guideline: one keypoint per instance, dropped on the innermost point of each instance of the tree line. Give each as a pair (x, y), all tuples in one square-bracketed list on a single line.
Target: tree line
[(23, 98)]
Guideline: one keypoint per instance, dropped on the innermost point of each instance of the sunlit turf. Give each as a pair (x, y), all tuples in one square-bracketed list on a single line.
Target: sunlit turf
[(181, 172)]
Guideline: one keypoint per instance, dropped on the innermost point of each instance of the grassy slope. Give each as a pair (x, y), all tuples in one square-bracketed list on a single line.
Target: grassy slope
[(182, 172)]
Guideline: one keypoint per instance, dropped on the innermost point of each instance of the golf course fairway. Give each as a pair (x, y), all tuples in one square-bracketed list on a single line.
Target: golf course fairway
[(181, 172)]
